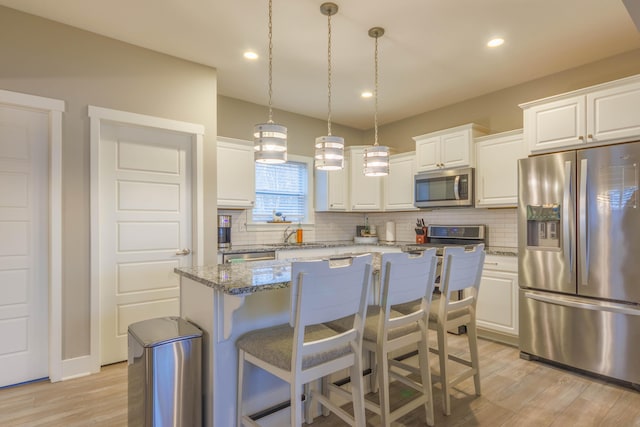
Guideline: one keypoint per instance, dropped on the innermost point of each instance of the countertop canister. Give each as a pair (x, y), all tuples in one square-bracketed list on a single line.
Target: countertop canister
[(390, 231)]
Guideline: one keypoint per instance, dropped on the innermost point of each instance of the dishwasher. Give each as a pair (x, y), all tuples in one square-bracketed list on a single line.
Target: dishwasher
[(248, 256)]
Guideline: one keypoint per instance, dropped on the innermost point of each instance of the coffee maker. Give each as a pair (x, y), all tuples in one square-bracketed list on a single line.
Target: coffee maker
[(224, 231)]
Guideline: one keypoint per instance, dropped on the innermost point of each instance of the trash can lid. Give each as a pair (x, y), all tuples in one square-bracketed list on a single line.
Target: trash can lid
[(162, 330)]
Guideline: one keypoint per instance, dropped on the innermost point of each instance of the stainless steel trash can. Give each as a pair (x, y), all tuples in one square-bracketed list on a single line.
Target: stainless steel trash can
[(165, 373)]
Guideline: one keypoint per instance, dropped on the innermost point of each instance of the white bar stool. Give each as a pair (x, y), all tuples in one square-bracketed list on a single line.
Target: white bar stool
[(305, 350), (404, 278), (461, 271)]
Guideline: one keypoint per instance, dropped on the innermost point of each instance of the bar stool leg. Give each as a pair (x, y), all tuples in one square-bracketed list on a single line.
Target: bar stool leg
[(325, 392), (383, 386), (239, 391), (473, 351), (296, 410), (443, 353), (357, 392), (425, 372)]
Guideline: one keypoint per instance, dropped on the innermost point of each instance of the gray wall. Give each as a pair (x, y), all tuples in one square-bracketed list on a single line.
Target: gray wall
[(44, 58), (499, 110), (236, 119)]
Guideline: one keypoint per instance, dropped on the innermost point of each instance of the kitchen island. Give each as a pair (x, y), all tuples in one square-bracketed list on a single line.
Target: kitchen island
[(228, 300)]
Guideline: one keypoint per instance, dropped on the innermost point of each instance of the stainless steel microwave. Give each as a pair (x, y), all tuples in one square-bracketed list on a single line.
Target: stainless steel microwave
[(445, 188)]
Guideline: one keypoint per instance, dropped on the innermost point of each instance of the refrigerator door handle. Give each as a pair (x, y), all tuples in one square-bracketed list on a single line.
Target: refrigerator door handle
[(456, 187), (575, 303), (583, 234), (566, 239)]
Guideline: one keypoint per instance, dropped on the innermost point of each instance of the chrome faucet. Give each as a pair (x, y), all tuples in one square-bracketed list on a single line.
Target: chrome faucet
[(287, 236)]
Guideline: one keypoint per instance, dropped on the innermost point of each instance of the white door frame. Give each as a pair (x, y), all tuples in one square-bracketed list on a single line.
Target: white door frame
[(54, 108), (97, 115)]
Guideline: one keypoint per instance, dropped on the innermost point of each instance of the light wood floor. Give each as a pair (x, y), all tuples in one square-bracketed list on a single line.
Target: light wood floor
[(514, 393)]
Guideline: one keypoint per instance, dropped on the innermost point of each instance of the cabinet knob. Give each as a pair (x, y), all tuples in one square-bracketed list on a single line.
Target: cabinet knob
[(581, 138), (590, 136)]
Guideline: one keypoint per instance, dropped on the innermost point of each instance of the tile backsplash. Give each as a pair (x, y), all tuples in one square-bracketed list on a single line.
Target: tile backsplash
[(329, 226)]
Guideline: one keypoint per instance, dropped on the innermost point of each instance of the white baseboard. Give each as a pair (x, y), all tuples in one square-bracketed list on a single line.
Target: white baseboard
[(78, 367)]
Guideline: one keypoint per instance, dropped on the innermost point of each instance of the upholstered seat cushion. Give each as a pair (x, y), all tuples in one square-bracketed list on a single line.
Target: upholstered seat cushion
[(275, 345), (371, 325), (412, 306)]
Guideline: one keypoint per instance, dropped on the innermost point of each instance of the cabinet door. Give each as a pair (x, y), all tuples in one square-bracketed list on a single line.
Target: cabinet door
[(497, 169), (365, 191), (497, 307), (235, 174), (556, 124), (455, 149), (398, 185), (332, 189), (613, 114), (339, 189), (428, 154)]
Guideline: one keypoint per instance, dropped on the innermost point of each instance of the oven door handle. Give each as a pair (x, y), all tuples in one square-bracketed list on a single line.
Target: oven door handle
[(456, 187)]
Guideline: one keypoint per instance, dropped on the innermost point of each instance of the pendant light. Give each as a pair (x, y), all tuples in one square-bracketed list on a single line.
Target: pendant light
[(376, 157), (329, 154), (270, 139)]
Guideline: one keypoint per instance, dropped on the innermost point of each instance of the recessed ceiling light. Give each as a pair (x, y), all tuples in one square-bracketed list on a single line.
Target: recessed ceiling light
[(366, 94), (250, 55), (495, 42)]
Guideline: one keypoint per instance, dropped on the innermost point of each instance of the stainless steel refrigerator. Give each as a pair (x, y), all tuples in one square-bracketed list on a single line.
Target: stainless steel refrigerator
[(579, 259)]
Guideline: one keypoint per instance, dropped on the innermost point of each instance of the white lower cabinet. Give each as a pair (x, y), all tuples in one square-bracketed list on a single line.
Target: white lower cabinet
[(497, 307)]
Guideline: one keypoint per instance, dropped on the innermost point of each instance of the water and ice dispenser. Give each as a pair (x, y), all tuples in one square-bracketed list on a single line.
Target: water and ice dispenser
[(543, 225)]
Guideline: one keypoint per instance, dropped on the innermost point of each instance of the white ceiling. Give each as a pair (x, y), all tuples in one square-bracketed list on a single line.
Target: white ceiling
[(432, 54)]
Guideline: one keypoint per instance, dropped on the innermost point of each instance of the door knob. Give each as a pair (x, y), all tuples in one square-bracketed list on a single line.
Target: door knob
[(183, 252)]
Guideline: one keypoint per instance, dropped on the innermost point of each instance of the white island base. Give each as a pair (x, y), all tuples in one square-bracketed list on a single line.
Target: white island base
[(223, 319)]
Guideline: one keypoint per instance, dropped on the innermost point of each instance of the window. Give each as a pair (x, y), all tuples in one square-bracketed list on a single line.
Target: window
[(284, 188)]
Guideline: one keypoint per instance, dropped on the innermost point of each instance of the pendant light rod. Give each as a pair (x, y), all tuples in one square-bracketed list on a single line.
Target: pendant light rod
[(270, 59), (329, 149), (375, 32), (270, 139), (329, 9), (376, 157)]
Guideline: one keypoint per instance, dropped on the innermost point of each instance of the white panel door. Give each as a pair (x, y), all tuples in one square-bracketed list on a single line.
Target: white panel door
[(24, 345), (145, 222)]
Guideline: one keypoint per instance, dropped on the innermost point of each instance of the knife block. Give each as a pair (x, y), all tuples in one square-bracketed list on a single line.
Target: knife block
[(422, 238)]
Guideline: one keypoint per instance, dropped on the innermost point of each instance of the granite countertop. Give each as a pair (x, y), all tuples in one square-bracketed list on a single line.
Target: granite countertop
[(270, 247), (241, 278), (404, 245), (250, 277)]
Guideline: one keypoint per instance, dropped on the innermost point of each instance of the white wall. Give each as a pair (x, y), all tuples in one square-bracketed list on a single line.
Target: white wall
[(330, 226)]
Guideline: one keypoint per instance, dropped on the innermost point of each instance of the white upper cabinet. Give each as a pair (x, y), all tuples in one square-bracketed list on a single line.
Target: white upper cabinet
[(497, 168), (449, 148), (601, 114), (235, 174), (365, 191), (398, 185), (332, 189)]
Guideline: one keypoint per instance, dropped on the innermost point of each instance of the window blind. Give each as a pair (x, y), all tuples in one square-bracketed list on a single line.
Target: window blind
[(281, 188)]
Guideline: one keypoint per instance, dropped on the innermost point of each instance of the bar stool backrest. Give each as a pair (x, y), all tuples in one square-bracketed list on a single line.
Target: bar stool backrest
[(325, 290), (461, 269), (407, 277)]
